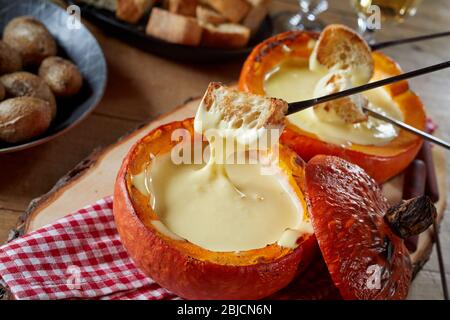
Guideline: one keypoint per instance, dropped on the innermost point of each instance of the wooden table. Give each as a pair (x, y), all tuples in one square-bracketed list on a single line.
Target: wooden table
[(142, 86)]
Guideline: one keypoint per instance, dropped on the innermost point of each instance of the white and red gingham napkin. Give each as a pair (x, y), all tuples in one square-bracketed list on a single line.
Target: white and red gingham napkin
[(79, 256)]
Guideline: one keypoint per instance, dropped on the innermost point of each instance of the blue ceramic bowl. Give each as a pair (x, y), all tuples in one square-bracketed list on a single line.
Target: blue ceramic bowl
[(79, 46)]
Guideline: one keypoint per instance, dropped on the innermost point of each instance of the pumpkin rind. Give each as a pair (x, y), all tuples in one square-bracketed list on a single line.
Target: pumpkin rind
[(190, 271), (381, 162), (365, 258)]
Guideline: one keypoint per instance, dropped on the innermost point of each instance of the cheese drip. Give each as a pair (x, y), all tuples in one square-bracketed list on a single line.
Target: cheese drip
[(220, 204)]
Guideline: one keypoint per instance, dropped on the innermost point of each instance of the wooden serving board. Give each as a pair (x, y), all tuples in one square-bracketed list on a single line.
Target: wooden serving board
[(94, 178)]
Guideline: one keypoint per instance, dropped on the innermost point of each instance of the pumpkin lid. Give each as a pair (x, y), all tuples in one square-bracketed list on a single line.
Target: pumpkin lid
[(365, 258)]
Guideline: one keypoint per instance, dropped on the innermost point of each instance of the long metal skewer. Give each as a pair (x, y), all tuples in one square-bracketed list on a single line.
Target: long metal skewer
[(302, 105), (423, 134), (407, 127), (440, 260), (381, 45), (386, 44)]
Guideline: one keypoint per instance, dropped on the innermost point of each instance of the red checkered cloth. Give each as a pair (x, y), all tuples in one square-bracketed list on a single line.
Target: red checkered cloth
[(79, 256)]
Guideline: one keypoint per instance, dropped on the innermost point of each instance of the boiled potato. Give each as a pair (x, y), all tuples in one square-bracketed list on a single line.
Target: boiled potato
[(25, 84), (23, 118), (61, 75), (31, 38), (10, 60)]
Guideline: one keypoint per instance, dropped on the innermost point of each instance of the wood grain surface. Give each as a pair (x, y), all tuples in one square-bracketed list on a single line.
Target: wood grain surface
[(142, 86)]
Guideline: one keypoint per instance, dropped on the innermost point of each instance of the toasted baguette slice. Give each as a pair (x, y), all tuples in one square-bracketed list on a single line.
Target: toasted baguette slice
[(174, 28), (132, 10), (183, 7), (209, 16), (226, 35), (256, 15), (340, 47), (110, 5), (233, 10), (226, 108), (344, 110)]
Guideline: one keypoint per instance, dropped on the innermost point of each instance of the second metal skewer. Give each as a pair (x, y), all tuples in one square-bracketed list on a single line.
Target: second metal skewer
[(409, 128), (302, 105), (381, 45)]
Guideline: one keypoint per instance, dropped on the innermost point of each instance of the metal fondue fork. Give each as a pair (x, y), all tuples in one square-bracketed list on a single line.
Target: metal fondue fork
[(302, 105), (381, 45)]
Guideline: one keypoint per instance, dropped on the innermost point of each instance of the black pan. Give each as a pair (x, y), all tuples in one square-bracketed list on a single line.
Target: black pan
[(134, 34)]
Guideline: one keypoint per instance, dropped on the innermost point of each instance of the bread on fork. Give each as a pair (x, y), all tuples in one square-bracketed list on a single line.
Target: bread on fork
[(347, 58), (247, 114), (340, 47), (347, 109)]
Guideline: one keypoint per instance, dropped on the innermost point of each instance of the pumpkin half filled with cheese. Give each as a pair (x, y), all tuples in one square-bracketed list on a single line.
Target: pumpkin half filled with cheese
[(297, 65), (207, 227), (217, 207)]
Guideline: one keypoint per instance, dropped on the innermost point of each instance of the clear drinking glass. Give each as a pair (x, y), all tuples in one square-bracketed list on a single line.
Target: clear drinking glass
[(390, 12), (304, 19)]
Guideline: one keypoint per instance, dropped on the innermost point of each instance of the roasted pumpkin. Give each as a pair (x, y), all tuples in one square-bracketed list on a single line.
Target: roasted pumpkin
[(381, 162)]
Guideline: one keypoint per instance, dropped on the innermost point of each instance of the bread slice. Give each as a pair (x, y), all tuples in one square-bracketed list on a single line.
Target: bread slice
[(255, 3), (183, 7), (174, 28), (256, 15), (110, 5), (233, 10), (209, 16), (226, 35), (226, 108), (340, 47), (133, 10), (344, 110)]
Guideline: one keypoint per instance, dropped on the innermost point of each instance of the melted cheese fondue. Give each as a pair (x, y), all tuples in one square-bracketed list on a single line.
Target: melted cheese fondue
[(223, 205), (234, 210), (294, 81)]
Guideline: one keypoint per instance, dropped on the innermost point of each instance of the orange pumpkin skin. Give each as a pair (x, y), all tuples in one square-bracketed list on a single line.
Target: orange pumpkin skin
[(188, 270), (347, 210), (380, 168), (381, 162)]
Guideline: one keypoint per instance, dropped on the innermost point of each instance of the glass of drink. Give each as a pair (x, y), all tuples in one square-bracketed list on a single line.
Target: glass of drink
[(373, 13), (304, 19)]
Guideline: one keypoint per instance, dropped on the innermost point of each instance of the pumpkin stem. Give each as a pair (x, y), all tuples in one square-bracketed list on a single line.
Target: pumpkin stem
[(411, 217)]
